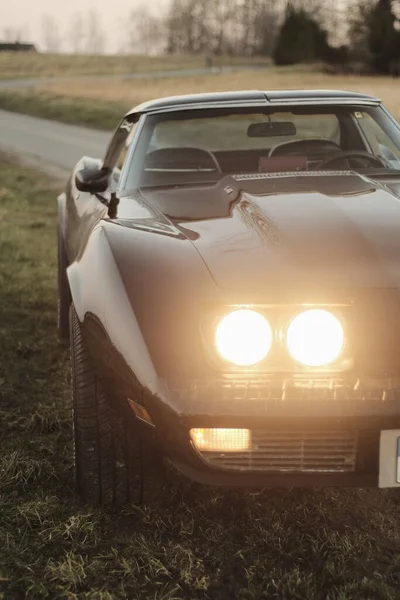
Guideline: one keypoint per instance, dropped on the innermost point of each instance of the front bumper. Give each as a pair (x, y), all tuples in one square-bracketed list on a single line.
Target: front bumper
[(350, 406)]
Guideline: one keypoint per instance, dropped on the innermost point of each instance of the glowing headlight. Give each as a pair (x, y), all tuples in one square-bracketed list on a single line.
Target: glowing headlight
[(315, 338), (243, 337)]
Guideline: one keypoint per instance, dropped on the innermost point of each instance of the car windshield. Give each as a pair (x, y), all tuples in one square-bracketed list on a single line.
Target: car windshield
[(194, 147)]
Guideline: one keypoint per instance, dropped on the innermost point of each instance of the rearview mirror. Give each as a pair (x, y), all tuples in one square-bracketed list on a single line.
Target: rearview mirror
[(92, 180), (271, 129)]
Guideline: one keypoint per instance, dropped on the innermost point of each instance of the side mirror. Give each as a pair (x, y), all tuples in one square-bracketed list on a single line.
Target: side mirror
[(92, 180)]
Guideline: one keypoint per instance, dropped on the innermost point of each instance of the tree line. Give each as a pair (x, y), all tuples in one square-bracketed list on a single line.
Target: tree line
[(373, 37), (365, 32), (339, 32)]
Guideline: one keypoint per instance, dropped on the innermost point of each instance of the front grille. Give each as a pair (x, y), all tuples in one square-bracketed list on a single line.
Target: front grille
[(295, 397), (292, 451)]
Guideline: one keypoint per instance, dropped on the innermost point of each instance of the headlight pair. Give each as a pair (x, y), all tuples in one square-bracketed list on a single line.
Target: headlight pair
[(313, 338)]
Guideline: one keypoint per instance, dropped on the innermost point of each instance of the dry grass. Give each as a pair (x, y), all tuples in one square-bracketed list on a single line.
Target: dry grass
[(133, 92), (30, 64), (72, 100)]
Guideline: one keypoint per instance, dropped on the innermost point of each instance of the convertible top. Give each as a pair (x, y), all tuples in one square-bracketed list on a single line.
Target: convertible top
[(253, 98)]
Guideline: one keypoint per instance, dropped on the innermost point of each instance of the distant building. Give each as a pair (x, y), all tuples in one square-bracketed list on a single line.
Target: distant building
[(16, 47)]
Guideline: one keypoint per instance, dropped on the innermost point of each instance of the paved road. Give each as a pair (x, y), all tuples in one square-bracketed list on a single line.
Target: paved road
[(48, 141)]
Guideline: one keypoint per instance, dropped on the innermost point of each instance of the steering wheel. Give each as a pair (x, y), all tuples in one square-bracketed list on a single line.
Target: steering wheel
[(347, 156), (311, 146), (185, 158)]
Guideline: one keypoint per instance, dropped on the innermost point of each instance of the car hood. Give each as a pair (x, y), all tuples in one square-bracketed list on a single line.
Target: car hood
[(338, 231), (300, 239)]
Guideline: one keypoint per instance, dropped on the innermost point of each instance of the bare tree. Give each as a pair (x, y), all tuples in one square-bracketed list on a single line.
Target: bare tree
[(358, 29), (50, 34), (244, 27), (185, 25), (222, 26), (95, 38), (266, 28), (76, 34), (15, 34), (145, 32), (10, 34), (198, 27)]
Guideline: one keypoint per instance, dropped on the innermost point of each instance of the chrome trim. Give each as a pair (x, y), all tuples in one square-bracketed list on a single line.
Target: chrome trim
[(307, 396), (329, 101)]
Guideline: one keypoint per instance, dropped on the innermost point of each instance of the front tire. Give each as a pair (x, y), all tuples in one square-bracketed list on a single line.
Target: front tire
[(112, 465)]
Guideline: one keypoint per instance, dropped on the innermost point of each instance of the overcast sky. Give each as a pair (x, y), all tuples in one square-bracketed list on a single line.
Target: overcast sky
[(26, 15)]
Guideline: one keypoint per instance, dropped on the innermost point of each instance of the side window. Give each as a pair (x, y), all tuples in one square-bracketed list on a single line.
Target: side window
[(125, 147), (379, 141), (122, 152)]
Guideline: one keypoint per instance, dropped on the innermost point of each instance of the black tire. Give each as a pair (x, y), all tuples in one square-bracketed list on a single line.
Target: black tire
[(64, 296), (112, 464)]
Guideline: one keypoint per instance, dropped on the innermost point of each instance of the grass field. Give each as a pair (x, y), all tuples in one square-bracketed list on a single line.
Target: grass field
[(195, 543), (99, 105), (99, 115), (135, 91), (31, 64)]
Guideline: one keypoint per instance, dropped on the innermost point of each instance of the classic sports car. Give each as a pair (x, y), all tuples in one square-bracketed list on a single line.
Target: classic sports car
[(229, 280)]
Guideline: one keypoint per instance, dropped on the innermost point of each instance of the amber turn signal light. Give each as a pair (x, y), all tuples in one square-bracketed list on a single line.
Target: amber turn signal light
[(221, 440)]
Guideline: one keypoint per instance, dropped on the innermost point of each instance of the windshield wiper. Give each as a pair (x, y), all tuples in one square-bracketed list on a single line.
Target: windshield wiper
[(178, 185)]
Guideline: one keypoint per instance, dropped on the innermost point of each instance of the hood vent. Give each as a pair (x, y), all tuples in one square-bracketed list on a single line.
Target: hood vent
[(253, 176)]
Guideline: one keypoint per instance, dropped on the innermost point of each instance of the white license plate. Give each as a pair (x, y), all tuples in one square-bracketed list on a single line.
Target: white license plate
[(389, 458)]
